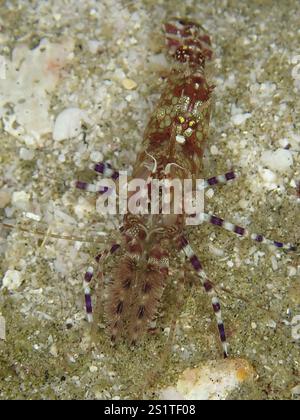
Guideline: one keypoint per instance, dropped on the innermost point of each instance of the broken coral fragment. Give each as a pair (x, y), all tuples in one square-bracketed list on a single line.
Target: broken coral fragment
[(214, 380), (30, 77)]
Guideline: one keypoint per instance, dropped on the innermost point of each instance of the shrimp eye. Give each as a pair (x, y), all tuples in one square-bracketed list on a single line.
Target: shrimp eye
[(181, 120), (192, 123)]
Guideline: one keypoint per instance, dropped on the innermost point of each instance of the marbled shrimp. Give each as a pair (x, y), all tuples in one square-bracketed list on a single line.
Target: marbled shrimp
[(172, 147)]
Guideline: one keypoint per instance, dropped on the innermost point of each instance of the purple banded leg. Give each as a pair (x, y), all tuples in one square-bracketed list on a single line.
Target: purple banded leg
[(106, 170), (87, 293), (93, 188), (109, 251), (188, 251), (89, 274), (217, 221), (218, 180)]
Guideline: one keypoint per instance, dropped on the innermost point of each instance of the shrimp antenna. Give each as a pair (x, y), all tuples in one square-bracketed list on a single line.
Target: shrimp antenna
[(168, 167), (155, 162)]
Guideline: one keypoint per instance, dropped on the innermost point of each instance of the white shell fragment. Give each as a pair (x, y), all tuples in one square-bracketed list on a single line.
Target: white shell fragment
[(12, 280), (279, 160), (214, 380), (68, 124)]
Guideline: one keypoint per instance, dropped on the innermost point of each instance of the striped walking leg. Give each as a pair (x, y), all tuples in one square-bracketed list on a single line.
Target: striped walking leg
[(87, 293), (241, 231), (188, 251), (89, 274), (218, 180), (104, 169)]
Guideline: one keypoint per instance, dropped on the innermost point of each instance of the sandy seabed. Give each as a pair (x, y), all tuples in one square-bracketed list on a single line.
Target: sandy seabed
[(79, 54)]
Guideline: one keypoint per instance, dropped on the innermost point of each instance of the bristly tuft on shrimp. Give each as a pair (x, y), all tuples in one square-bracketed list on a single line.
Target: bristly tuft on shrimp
[(135, 293)]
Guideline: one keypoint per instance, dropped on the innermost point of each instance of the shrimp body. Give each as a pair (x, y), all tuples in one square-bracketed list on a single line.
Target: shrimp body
[(174, 139)]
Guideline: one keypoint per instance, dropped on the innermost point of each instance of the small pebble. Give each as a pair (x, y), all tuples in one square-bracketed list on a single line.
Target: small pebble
[(274, 263), (96, 156), (268, 175), (292, 271), (271, 324), (32, 216), (57, 16), (4, 199), (218, 252), (93, 369), (20, 199), (239, 119), (269, 178), (83, 207), (68, 124), (93, 46), (283, 143), (12, 280), (53, 350), (210, 193), (279, 160), (129, 84), (243, 203), (158, 61), (62, 158), (26, 154), (214, 150)]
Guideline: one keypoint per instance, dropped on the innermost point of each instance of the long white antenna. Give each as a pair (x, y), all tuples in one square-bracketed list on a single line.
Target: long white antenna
[(155, 162), (168, 167)]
